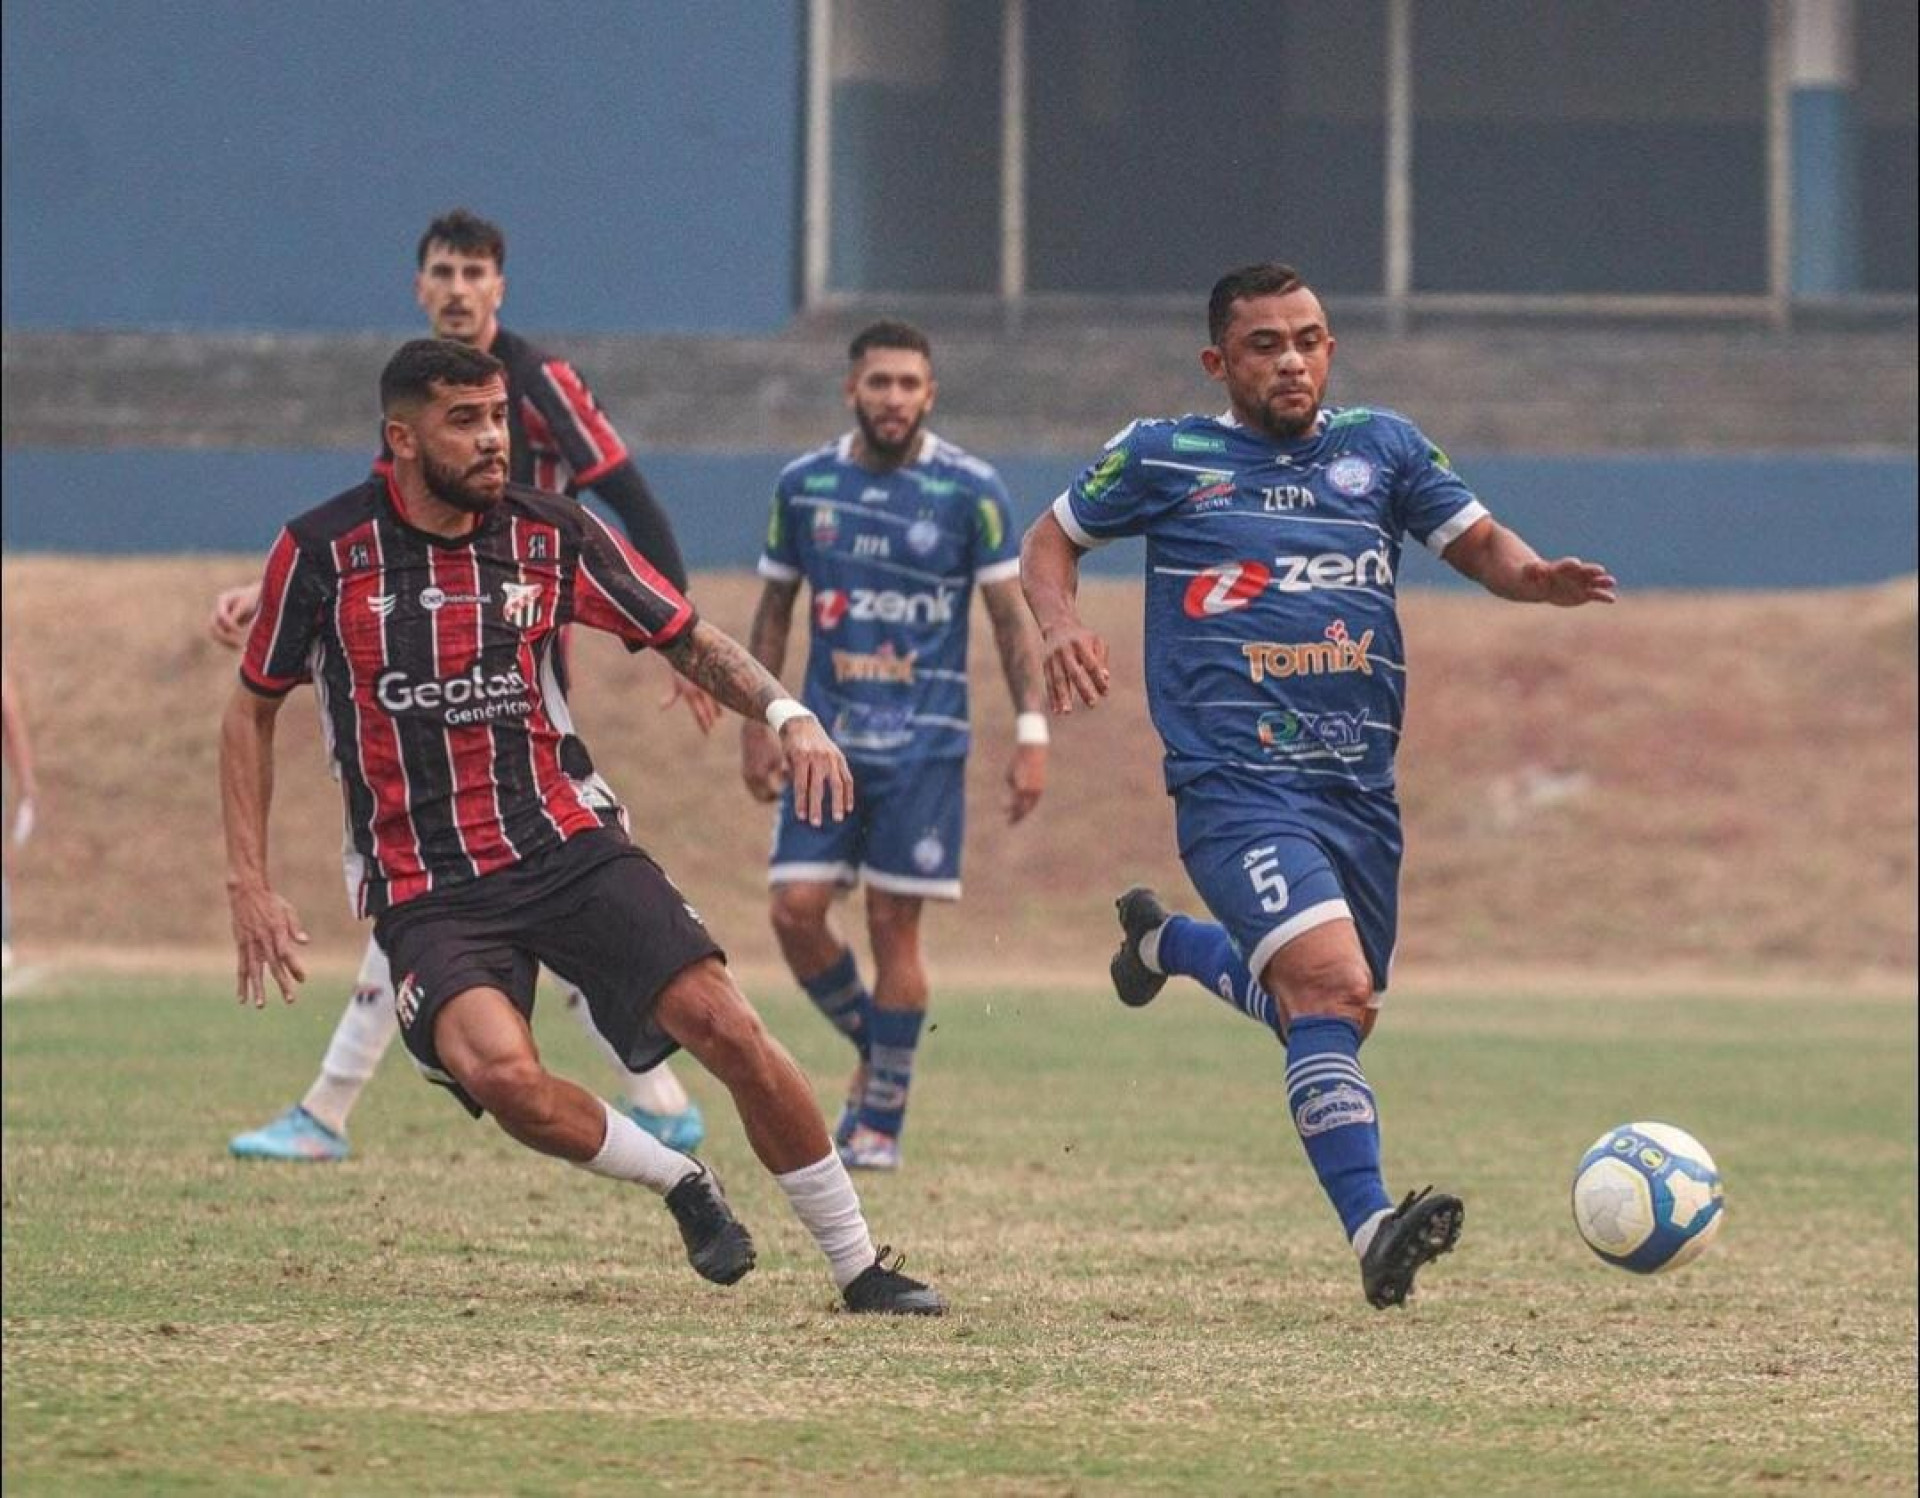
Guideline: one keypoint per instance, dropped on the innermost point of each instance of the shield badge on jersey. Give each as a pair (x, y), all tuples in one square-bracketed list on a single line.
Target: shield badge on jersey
[(522, 608)]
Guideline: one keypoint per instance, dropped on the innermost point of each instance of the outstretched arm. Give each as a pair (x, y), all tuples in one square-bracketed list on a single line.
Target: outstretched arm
[(1507, 567), (1073, 656), (1027, 774), (718, 663), (266, 930), (762, 766)]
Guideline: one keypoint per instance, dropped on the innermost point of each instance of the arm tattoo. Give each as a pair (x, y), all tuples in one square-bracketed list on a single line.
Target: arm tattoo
[(1018, 659), (718, 663)]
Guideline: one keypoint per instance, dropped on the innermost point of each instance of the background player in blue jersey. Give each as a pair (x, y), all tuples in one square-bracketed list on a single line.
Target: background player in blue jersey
[(891, 528), (1276, 678), (562, 442)]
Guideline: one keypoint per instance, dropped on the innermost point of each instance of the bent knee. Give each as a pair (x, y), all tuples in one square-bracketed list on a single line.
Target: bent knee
[(796, 916), (1337, 990), (511, 1087)]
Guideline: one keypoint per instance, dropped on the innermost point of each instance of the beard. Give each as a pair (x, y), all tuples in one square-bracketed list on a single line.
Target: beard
[(891, 452), (450, 486), (1286, 426)]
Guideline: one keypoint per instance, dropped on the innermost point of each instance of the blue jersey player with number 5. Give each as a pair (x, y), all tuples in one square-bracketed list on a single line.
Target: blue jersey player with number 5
[(1276, 679)]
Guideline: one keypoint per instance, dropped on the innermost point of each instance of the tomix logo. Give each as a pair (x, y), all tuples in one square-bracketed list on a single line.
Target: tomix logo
[(881, 665), (1336, 655)]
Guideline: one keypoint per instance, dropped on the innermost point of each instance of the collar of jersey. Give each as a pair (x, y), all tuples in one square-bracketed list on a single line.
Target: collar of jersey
[(399, 508), (843, 450), (1289, 444)]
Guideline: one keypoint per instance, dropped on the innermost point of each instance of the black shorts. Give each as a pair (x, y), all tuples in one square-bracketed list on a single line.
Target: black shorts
[(596, 910)]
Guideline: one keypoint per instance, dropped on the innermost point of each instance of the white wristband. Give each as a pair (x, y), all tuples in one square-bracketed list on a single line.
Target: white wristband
[(1031, 728), (783, 710)]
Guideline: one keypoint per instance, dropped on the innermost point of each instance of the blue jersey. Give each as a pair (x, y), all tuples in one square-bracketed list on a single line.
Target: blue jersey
[(891, 560), (1272, 630)]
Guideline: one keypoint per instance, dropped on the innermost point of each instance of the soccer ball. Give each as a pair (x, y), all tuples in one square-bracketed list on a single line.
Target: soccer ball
[(1647, 1197)]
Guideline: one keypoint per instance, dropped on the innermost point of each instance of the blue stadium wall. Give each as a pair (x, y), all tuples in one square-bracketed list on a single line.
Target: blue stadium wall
[(1681, 521), (211, 164)]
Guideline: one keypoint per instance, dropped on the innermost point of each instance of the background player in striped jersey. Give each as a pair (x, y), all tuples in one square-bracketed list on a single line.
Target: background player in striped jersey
[(891, 528), (1276, 679), (562, 443), (425, 606)]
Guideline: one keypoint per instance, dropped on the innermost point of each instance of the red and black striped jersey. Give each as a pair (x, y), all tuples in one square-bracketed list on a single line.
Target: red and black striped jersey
[(434, 661)]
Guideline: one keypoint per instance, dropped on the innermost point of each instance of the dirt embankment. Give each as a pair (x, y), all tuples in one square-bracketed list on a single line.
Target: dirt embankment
[(1722, 783)]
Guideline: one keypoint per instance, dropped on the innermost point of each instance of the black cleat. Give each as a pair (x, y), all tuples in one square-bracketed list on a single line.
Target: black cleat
[(883, 1290), (1422, 1228), (718, 1245), (1140, 912)]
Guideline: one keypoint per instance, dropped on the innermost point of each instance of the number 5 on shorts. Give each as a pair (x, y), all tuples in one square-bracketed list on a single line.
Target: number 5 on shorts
[(1269, 884)]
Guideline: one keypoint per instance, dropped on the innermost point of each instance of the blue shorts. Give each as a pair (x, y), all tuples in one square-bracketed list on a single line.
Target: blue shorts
[(903, 835), (1273, 861)]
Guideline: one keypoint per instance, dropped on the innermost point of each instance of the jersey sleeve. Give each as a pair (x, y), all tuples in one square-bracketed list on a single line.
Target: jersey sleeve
[(574, 423), (617, 590), (293, 601), (1434, 505), (1114, 496), (996, 549), (780, 556)]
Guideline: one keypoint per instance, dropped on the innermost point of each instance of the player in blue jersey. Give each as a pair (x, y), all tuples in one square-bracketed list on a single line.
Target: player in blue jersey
[(891, 528), (1276, 678)]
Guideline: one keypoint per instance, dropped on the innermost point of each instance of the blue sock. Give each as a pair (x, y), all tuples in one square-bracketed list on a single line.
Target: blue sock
[(1332, 1107), (839, 994), (1203, 952), (896, 1032)]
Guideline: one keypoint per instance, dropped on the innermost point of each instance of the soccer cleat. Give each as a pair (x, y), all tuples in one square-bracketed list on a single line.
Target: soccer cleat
[(295, 1135), (1140, 912), (869, 1149), (718, 1245), (680, 1131), (1420, 1229), (882, 1289)]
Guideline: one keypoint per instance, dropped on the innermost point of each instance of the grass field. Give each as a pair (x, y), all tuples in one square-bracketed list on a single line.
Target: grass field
[(1150, 1293)]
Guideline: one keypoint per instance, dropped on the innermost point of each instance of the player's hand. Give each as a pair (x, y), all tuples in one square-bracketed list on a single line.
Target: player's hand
[(704, 706), (1569, 582), (233, 611), (762, 764), (821, 780), (267, 936), (1075, 659), (1026, 779)]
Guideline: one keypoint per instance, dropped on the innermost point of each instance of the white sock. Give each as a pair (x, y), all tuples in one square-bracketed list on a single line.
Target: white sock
[(657, 1090), (1150, 950), (1363, 1239), (630, 1153), (359, 1041), (825, 1202)]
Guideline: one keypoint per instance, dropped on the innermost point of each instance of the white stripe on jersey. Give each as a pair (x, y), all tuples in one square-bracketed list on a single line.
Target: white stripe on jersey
[(998, 572), (1077, 533), (1455, 525)]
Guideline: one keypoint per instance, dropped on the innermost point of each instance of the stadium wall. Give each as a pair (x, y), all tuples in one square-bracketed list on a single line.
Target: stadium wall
[(1668, 521), (227, 164)]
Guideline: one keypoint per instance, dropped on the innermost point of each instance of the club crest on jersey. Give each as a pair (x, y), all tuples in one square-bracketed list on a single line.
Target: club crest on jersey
[(929, 853), (1226, 588), (922, 536), (1352, 476), (522, 607)]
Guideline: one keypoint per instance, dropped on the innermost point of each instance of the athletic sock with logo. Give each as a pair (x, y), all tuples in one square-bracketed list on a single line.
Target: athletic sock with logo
[(895, 1033), (359, 1041), (824, 1200), (1202, 951), (838, 993), (630, 1153), (1332, 1108)]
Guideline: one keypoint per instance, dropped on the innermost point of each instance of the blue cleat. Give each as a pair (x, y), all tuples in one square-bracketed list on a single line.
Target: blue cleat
[(295, 1135), (681, 1131)]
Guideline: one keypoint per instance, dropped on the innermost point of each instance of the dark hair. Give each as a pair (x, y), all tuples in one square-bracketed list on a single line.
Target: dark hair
[(422, 363), (465, 234), (1269, 278), (889, 333)]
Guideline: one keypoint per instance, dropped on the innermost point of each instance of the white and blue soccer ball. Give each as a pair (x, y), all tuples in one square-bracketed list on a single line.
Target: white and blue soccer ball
[(1647, 1197)]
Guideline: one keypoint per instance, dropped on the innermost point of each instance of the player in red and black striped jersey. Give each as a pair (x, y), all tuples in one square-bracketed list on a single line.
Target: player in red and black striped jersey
[(423, 605), (563, 443)]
